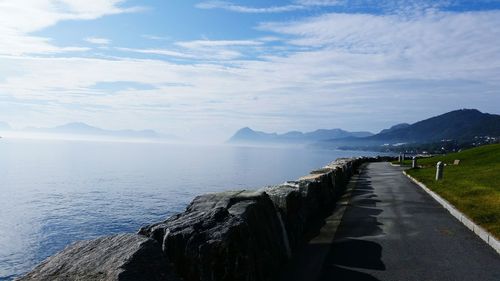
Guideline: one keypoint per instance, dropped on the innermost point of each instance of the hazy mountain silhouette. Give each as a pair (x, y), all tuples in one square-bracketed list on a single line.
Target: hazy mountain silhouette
[(247, 135), (82, 129)]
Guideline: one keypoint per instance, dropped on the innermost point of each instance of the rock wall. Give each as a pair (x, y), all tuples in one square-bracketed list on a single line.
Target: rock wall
[(126, 257), (234, 235), (225, 236)]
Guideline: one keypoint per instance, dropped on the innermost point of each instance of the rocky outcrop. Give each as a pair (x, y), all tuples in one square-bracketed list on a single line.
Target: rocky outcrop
[(225, 236), (235, 235), (124, 257)]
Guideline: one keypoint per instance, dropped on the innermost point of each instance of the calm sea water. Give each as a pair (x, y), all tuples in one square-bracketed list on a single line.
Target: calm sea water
[(55, 192)]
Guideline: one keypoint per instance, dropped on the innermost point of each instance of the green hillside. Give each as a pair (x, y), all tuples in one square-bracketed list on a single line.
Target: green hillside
[(463, 124), (473, 186), (450, 131)]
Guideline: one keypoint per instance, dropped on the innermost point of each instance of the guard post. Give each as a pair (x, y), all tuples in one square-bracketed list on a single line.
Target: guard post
[(439, 170)]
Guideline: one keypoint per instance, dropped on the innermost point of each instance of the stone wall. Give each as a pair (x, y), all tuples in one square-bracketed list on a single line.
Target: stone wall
[(233, 235)]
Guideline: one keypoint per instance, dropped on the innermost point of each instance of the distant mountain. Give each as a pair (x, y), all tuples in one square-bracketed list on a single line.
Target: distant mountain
[(459, 125), (247, 135), (79, 128), (395, 127)]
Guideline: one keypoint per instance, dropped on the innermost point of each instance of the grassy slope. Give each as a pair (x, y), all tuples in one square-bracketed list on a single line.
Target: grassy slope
[(473, 186)]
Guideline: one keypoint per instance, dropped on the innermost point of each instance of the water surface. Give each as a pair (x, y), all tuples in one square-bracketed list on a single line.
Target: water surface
[(53, 193)]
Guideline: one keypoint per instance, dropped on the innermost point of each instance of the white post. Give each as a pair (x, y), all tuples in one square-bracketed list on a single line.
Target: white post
[(439, 170), (414, 162)]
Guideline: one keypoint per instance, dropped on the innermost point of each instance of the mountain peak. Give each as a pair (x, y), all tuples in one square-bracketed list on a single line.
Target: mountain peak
[(395, 127), (463, 111), (75, 125), (245, 129)]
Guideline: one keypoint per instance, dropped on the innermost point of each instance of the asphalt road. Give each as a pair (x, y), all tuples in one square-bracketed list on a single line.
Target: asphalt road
[(392, 230)]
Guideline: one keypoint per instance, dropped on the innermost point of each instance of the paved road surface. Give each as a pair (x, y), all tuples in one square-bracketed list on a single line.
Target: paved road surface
[(392, 230)]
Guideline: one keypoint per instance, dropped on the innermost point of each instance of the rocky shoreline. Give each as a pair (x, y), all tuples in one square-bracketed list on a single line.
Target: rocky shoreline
[(234, 235)]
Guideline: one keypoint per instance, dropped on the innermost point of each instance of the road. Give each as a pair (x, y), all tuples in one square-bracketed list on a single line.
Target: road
[(393, 230)]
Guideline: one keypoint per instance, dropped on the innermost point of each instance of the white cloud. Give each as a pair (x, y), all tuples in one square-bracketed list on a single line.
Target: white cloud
[(196, 44), (321, 2), (18, 44), (225, 5), (155, 37), (20, 18), (98, 40), (394, 6), (217, 49), (432, 45), (209, 54), (294, 6), (163, 52), (222, 50), (336, 64)]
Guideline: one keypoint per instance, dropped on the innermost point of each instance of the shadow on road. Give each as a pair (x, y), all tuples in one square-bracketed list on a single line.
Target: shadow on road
[(350, 255)]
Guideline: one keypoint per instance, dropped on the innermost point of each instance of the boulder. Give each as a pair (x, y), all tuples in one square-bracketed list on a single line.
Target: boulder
[(288, 199), (319, 190), (123, 257), (236, 235)]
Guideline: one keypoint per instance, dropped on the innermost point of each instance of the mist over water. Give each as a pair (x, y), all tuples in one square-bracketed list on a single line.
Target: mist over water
[(53, 193)]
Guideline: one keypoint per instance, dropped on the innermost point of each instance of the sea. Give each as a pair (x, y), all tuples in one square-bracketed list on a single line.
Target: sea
[(55, 192)]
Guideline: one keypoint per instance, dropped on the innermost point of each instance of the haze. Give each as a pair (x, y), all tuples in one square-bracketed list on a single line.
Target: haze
[(203, 69)]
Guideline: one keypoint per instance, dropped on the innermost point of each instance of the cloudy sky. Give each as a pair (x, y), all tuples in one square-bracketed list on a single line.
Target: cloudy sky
[(203, 69)]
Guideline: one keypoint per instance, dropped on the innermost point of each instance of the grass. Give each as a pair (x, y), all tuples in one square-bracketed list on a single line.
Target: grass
[(473, 186)]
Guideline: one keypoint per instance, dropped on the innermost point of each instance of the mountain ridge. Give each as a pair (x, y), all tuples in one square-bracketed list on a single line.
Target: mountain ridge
[(457, 124), (248, 135), (84, 129), (395, 127), (462, 125), (80, 128)]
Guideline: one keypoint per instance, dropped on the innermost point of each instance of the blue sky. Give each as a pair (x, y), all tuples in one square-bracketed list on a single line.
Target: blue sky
[(203, 69)]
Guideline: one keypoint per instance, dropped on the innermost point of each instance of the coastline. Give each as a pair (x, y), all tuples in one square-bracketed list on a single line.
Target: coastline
[(229, 235)]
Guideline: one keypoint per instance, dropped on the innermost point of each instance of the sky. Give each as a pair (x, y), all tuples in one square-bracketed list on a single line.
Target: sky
[(203, 69)]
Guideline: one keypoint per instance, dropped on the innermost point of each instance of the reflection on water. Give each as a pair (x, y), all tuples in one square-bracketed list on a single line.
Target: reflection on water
[(55, 192)]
